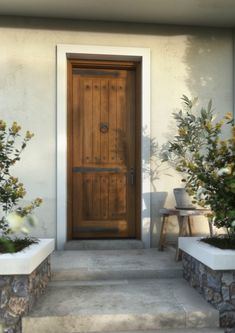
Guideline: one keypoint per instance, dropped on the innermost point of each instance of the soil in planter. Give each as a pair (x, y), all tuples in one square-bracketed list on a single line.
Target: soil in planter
[(222, 242), (8, 245)]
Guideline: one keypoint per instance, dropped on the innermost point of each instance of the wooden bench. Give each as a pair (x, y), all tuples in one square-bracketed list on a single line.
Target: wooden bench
[(184, 219)]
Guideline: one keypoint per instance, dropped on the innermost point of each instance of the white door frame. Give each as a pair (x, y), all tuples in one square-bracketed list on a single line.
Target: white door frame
[(104, 53)]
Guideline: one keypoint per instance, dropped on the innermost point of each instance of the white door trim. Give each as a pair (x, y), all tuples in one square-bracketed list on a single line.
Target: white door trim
[(105, 53)]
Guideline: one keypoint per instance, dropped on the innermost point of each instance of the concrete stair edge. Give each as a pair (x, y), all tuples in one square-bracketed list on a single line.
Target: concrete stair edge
[(79, 275), (119, 244), (114, 264), (173, 330), (130, 291), (145, 305)]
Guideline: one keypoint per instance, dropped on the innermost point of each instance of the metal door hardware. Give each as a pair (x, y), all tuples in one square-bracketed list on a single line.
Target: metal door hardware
[(95, 169), (132, 175), (95, 229), (104, 127)]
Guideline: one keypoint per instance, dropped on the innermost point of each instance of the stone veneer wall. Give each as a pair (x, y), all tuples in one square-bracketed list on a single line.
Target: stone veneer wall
[(18, 294), (217, 287)]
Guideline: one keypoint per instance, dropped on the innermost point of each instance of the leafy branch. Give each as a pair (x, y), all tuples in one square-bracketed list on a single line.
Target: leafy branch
[(11, 189), (206, 161)]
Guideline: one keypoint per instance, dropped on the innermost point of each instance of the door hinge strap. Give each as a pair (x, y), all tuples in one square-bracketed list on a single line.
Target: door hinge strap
[(94, 169), (95, 229)]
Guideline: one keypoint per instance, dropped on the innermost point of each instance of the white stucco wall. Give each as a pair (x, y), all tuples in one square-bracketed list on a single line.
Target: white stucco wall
[(191, 61)]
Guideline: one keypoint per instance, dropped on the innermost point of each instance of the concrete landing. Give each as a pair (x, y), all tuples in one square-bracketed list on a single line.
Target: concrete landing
[(115, 264), (132, 305), (173, 330), (113, 244), (180, 330)]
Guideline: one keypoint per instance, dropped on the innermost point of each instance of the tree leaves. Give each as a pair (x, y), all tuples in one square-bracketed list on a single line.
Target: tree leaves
[(208, 163), (11, 189)]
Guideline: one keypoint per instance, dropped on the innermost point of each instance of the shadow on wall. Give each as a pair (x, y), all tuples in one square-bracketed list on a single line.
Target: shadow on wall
[(208, 62), (207, 58), (208, 73), (153, 202), (153, 167), (152, 164)]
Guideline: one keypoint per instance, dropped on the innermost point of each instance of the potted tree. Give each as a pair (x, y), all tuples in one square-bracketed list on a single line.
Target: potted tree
[(15, 218), (24, 261), (207, 162)]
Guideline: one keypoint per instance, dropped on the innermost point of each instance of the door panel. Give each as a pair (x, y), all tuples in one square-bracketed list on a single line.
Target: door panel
[(102, 149)]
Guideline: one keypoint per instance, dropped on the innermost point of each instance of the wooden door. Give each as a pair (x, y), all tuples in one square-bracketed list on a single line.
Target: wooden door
[(102, 151)]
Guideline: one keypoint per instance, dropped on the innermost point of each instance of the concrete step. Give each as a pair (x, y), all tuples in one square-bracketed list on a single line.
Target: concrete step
[(133, 305), (178, 330), (113, 244), (114, 265)]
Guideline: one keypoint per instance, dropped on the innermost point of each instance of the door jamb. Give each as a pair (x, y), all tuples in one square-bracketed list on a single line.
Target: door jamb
[(65, 51)]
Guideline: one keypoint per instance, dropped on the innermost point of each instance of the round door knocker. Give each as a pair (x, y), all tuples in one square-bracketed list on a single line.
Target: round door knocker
[(104, 127)]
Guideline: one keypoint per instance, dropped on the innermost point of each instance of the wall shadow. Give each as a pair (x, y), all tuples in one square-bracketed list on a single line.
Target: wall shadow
[(153, 201), (208, 59)]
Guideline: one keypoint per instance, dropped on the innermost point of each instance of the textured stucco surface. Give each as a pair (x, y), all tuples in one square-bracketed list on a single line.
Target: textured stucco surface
[(191, 61)]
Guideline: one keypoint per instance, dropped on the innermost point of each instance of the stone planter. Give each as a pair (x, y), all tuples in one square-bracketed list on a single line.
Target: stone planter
[(23, 278), (212, 272)]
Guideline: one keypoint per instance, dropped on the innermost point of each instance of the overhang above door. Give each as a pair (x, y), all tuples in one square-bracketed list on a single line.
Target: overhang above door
[(218, 13)]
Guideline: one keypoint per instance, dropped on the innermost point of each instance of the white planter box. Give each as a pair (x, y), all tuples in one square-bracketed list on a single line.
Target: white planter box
[(25, 261), (213, 257)]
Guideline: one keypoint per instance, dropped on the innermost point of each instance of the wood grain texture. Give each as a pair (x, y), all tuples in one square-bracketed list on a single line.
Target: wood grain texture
[(101, 127)]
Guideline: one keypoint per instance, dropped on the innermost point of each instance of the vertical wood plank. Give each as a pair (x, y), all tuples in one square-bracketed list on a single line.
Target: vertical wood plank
[(96, 121), (112, 121), (121, 195), (112, 196), (75, 146), (121, 123), (78, 197), (76, 118), (87, 195), (104, 137), (104, 196), (96, 197), (131, 152), (86, 109)]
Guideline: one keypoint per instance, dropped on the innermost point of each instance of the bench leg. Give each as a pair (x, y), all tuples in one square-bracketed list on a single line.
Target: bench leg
[(189, 226), (210, 223), (162, 239), (183, 220)]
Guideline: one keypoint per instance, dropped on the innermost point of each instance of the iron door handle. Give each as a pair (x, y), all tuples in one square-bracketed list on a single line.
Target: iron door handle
[(132, 176)]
